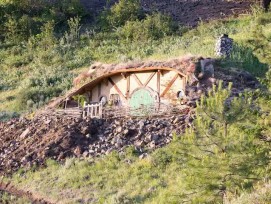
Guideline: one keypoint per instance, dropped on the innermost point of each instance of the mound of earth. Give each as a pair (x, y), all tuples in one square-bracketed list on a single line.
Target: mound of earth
[(24, 142), (186, 12)]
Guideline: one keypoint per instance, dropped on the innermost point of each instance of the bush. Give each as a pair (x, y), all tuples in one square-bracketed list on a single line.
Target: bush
[(154, 27), (5, 116), (120, 13), (21, 19), (45, 83)]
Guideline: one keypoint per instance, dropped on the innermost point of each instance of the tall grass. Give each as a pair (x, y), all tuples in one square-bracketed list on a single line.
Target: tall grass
[(194, 168), (37, 64)]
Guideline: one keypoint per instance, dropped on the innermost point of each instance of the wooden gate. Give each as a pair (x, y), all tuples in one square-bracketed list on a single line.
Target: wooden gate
[(93, 110)]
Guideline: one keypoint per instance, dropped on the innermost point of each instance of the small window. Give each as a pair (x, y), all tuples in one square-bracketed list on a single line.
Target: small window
[(180, 94), (115, 99), (103, 100)]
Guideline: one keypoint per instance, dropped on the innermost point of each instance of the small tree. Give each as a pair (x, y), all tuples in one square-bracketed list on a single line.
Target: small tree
[(120, 13), (224, 153)]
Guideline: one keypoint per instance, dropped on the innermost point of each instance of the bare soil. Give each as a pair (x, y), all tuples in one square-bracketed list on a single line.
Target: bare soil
[(185, 12), (12, 190)]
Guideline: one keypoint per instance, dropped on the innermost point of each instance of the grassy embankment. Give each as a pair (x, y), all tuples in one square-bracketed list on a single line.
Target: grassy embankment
[(7, 199), (205, 165), (202, 166), (37, 67)]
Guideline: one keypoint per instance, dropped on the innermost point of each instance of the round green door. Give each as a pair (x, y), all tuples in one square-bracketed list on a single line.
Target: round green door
[(141, 102)]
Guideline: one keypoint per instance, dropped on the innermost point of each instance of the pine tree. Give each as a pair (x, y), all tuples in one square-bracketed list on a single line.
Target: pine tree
[(224, 153)]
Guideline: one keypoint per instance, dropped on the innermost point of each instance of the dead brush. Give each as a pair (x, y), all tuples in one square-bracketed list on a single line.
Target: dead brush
[(185, 64)]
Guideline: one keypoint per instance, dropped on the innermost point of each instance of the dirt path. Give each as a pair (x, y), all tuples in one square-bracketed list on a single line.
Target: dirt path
[(186, 12), (12, 190)]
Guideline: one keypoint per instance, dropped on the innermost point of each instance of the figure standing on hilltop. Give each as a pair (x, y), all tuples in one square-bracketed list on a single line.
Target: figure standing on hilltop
[(224, 46), (266, 4)]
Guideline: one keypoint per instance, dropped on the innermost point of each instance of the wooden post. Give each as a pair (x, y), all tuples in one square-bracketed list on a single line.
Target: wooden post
[(149, 79), (128, 87), (169, 85), (137, 80), (158, 81), (117, 88), (91, 111), (99, 90), (84, 111), (100, 110), (66, 101)]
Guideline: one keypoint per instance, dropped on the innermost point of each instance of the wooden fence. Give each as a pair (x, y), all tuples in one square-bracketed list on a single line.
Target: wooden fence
[(98, 111), (157, 110), (93, 110)]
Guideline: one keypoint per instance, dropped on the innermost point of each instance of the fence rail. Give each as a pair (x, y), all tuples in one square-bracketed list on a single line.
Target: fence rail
[(157, 110), (98, 111), (93, 110)]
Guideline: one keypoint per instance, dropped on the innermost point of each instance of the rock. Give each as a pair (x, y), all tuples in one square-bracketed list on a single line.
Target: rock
[(141, 124), (85, 130), (25, 134), (126, 132), (119, 129), (191, 104), (47, 122), (139, 143), (148, 138), (119, 143), (176, 120), (143, 156), (117, 122), (152, 144), (155, 137), (77, 151), (85, 154), (246, 76)]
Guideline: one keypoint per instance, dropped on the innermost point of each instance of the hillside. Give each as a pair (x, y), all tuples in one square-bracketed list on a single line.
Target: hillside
[(188, 13), (214, 149)]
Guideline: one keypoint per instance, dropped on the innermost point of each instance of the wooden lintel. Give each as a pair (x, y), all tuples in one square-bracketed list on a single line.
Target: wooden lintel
[(99, 89), (128, 86), (117, 88), (149, 79), (124, 75), (169, 85), (158, 81), (105, 81), (137, 80)]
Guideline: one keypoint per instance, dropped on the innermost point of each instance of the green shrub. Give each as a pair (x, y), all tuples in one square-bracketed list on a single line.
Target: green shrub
[(120, 13), (154, 27), (5, 116), (21, 19), (45, 83)]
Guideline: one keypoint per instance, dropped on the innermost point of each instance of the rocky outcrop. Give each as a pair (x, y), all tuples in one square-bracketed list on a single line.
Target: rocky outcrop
[(24, 143)]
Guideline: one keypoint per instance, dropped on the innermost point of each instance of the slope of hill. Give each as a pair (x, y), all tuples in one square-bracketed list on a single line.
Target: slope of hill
[(222, 157), (185, 12)]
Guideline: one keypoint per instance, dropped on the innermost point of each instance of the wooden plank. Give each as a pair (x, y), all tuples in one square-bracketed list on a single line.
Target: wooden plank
[(124, 75), (149, 79), (117, 88), (128, 87), (101, 110), (105, 81), (169, 85), (184, 83), (99, 90), (137, 80), (158, 82), (93, 83)]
